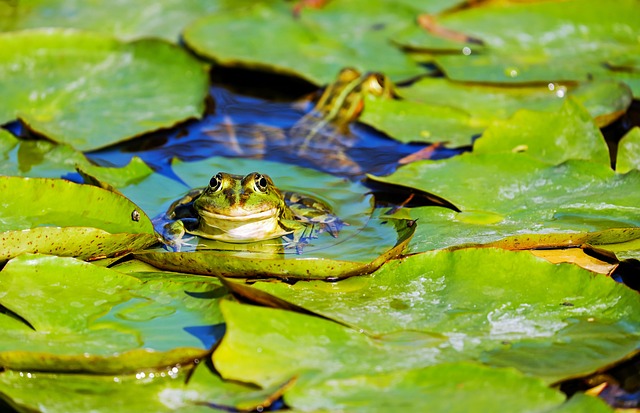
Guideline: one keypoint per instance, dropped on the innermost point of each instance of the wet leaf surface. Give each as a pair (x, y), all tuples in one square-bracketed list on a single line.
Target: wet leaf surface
[(536, 41), (170, 390), (89, 72), (471, 305), (314, 46), (439, 110), (629, 152), (119, 18), (522, 200), (64, 218), (74, 316)]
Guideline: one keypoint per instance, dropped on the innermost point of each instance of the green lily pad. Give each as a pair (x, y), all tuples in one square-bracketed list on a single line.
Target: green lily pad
[(629, 152), (495, 306), (145, 18), (528, 202), (540, 42), (439, 110), (314, 46), (75, 316), (91, 91), (363, 245), (605, 100), (171, 390), (459, 387), (63, 218), (569, 133)]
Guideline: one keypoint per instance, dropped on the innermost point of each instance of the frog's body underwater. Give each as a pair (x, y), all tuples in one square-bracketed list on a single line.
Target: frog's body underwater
[(322, 136), (246, 209)]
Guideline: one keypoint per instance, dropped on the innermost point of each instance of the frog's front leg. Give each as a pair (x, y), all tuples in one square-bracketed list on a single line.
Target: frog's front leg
[(173, 233)]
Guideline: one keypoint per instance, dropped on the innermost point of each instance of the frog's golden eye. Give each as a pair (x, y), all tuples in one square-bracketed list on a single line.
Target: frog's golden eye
[(216, 182), (260, 183)]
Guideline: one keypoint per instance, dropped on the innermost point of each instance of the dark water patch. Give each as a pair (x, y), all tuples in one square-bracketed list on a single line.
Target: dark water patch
[(249, 127)]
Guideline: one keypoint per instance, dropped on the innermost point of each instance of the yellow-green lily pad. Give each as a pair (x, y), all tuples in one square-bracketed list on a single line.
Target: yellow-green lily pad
[(68, 315), (537, 41), (314, 45), (361, 246), (59, 217), (176, 389), (500, 307), (531, 203), (629, 151), (439, 110), (91, 91), (123, 19)]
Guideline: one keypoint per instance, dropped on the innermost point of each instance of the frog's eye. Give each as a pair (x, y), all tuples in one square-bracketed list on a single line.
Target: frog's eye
[(261, 183), (216, 182)]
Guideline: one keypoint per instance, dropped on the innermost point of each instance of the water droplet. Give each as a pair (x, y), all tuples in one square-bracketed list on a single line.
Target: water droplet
[(561, 91), (551, 86), (466, 51), (511, 72)]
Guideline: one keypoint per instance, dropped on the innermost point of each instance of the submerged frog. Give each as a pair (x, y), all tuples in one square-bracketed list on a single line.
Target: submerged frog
[(322, 136), (245, 209)]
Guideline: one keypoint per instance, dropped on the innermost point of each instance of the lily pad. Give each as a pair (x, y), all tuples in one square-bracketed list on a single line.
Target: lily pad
[(629, 151), (75, 316), (439, 110), (314, 46), (605, 100), (145, 18), (524, 201), (171, 390), (540, 41), (569, 133), (91, 91), (495, 306), (363, 245), (459, 387), (60, 217)]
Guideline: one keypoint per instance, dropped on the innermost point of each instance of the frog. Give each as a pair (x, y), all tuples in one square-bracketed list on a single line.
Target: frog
[(245, 209)]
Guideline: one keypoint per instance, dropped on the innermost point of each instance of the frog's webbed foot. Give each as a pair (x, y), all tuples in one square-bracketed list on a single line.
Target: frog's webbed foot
[(175, 245), (173, 236)]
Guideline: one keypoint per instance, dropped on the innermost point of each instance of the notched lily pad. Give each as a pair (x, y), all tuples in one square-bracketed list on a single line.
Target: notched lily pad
[(68, 315), (314, 46), (55, 216), (256, 264), (522, 201), (489, 305), (91, 91)]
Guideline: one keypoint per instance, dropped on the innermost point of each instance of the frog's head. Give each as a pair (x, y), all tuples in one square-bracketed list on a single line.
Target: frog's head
[(241, 208)]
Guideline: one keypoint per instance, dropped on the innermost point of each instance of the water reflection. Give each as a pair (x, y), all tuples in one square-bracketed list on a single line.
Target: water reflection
[(249, 127)]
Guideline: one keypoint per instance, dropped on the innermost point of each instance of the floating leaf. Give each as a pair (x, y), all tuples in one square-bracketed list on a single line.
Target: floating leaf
[(570, 133), (539, 41), (90, 91), (629, 151), (363, 245), (119, 18), (439, 110), (314, 46), (82, 317), (491, 305), (524, 201), (459, 387), (60, 217), (173, 390)]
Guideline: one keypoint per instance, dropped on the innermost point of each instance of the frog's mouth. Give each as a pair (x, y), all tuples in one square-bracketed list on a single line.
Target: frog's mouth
[(255, 226), (209, 216)]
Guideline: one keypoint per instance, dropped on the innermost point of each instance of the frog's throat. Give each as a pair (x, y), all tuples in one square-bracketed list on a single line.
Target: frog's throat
[(245, 228)]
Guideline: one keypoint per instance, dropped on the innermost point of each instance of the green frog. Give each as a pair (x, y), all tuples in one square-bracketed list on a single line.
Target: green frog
[(242, 209)]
